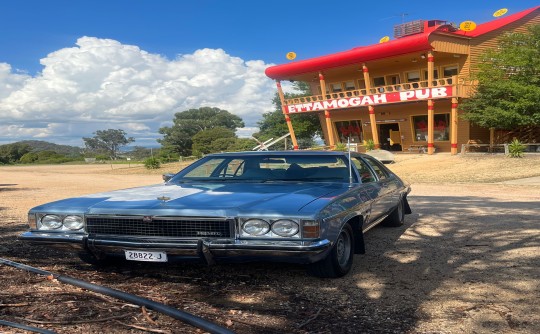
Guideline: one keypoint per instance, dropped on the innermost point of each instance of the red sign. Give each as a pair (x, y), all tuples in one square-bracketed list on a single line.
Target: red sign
[(367, 100)]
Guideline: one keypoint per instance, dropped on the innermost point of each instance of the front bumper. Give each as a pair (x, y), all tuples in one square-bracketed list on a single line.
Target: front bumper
[(209, 250)]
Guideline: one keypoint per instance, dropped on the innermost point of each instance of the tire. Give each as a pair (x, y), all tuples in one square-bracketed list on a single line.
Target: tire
[(397, 217), (340, 259)]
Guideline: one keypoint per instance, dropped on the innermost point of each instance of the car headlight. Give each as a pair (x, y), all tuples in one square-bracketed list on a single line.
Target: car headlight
[(285, 228), (52, 222), (73, 222), (256, 227)]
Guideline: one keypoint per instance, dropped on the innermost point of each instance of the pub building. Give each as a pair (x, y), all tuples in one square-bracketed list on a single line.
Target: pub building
[(403, 93)]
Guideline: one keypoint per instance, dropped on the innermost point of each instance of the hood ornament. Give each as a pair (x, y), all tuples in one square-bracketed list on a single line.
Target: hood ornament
[(163, 199)]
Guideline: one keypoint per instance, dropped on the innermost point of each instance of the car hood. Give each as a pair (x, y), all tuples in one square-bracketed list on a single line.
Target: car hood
[(206, 199)]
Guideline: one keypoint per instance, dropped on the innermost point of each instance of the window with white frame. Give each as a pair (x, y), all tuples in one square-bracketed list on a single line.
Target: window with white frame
[(449, 71), (413, 76)]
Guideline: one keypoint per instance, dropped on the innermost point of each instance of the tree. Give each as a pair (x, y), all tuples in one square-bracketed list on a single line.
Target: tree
[(12, 153), (203, 141), (141, 153), (178, 138), (306, 125), (108, 141), (507, 94)]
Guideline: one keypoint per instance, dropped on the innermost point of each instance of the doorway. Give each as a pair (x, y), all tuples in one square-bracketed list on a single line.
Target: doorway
[(390, 137)]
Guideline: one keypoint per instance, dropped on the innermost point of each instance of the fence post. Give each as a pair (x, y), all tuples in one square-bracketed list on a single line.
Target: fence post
[(506, 151), (463, 147)]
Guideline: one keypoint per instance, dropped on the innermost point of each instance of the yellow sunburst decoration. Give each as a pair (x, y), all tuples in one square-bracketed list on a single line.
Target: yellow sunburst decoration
[(500, 12), (467, 26), (291, 55), (384, 39)]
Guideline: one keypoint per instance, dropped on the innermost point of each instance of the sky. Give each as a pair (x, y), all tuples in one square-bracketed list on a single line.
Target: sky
[(71, 67)]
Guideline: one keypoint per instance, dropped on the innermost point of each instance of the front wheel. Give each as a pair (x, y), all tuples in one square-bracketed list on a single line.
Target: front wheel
[(339, 261)]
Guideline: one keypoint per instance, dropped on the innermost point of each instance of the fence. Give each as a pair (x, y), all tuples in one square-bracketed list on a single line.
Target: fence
[(496, 148)]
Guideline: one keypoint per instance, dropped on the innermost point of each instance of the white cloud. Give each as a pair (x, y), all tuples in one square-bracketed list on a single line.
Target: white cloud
[(102, 83)]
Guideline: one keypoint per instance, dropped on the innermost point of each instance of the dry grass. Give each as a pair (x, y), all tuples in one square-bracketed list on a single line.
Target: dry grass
[(416, 168), (445, 168)]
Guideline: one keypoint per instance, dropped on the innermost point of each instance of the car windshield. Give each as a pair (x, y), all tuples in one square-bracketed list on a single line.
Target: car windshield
[(267, 168)]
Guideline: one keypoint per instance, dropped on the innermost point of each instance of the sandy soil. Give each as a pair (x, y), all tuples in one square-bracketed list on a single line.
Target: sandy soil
[(466, 261)]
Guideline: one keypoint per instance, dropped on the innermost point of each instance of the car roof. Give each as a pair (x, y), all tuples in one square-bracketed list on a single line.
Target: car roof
[(280, 153)]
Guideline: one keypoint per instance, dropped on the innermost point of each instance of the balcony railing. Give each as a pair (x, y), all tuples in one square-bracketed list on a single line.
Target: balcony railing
[(451, 81)]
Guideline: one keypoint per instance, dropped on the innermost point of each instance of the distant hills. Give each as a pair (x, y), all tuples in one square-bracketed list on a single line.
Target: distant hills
[(39, 145)]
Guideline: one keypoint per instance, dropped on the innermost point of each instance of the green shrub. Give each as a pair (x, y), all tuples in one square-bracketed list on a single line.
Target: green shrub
[(370, 144), (516, 149), (152, 163), (340, 147)]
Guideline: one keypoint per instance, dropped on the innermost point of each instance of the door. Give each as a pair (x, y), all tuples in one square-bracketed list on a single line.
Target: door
[(390, 137)]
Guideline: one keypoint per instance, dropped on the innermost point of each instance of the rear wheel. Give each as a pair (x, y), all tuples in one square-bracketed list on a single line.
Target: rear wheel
[(339, 261), (397, 217)]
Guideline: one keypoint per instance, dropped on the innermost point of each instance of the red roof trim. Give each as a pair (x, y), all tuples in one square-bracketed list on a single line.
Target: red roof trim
[(404, 45), (484, 28), (358, 55)]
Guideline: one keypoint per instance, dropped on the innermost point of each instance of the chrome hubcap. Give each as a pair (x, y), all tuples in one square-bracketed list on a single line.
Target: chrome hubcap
[(343, 248)]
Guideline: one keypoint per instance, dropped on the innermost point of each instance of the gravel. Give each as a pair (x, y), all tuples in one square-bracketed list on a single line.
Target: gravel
[(466, 261)]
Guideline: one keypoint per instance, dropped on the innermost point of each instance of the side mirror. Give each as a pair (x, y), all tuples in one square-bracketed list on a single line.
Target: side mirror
[(167, 177)]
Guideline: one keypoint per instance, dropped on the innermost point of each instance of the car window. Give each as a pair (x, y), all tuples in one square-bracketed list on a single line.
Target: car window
[(366, 175), (286, 167), (206, 169), (381, 173)]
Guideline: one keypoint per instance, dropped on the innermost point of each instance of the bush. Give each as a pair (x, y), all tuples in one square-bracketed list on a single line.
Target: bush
[(152, 163), (370, 144), (516, 149), (340, 147)]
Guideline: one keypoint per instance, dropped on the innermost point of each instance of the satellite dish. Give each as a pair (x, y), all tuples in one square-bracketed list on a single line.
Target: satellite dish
[(291, 55), (467, 26), (500, 12), (384, 39)]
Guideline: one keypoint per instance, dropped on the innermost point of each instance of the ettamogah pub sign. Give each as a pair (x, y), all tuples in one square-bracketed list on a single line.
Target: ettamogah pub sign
[(366, 100)]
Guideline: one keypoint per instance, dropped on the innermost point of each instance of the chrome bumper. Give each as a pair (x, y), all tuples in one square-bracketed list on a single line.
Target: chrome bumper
[(206, 249)]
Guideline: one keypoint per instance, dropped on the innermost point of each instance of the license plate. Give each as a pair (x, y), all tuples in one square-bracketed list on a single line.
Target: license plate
[(135, 255)]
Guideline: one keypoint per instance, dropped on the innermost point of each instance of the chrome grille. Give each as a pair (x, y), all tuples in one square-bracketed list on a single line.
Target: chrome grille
[(159, 227)]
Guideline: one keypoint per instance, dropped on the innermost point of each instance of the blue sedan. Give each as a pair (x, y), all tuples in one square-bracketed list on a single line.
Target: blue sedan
[(306, 207)]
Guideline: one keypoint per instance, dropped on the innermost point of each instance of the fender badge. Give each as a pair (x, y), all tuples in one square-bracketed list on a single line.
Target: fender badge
[(163, 198)]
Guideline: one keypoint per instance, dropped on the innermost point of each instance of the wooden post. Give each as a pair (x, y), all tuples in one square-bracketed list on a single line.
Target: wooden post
[(329, 129), (453, 127), (491, 139), (372, 118), (431, 116), (431, 123), (286, 113)]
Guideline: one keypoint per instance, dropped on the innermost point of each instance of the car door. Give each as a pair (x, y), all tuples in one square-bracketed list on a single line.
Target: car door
[(370, 188), (389, 194)]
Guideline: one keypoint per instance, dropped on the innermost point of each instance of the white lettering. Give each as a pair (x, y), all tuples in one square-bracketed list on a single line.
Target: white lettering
[(330, 104), (343, 103), (366, 100), (422, 93), (379, 98), (307, 106), (291, 109), (404, 96), (439, 91), (354, 101), (317, 106)]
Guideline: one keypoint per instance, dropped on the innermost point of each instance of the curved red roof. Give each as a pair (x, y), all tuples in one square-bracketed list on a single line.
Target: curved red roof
[(404, 45), (496, 24), (358, 55)]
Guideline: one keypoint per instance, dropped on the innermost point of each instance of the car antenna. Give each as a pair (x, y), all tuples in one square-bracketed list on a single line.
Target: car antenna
[(350, 161)]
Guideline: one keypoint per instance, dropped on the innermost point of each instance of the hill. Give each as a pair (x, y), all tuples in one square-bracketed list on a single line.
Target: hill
[(39, 145)]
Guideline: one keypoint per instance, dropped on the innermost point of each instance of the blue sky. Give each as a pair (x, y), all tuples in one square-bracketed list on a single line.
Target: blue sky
[(69, 68)]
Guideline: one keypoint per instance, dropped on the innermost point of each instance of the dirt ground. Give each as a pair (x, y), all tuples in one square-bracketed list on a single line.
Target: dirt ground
[(466, 261)]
